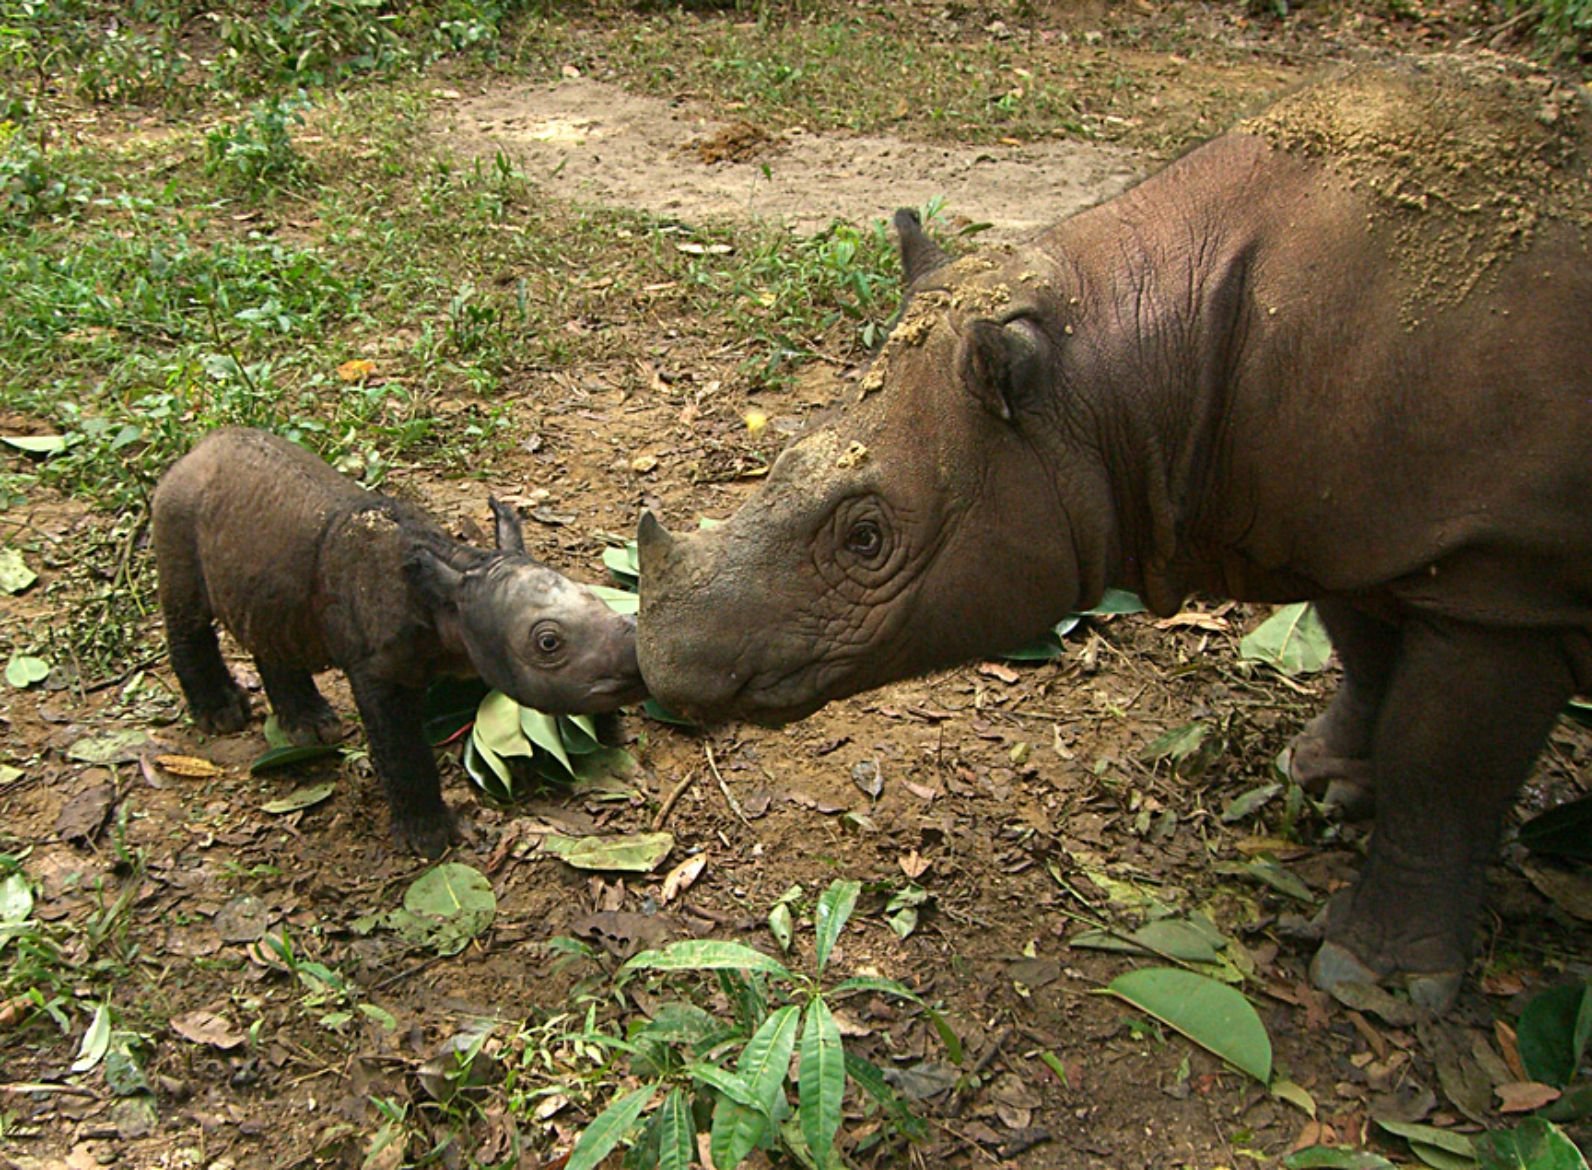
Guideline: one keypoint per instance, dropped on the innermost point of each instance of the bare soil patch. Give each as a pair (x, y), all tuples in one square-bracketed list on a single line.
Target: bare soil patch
[(592, 141)]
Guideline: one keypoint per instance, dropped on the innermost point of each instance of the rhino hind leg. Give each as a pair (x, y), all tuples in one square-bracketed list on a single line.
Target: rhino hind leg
[(1331, 757), (301, 710), (219, 706), (394, 719), (1465, 712)]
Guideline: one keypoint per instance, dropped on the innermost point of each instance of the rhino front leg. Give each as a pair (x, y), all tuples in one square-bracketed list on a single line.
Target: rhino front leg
[(394, 716), (215, 700), (301, 709), (1466, 711), (1331, 757)]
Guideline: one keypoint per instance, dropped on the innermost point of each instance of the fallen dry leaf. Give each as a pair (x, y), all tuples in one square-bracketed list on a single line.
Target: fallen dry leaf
[(357, 370), (1196, 620), (207, 1028), (193, 767), (1510, 1047), (914, 864), (995, 670), (682, 877), (1524, 1096)]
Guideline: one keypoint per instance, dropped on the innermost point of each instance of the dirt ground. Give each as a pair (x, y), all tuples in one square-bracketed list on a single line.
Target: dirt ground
[(1019, 796)]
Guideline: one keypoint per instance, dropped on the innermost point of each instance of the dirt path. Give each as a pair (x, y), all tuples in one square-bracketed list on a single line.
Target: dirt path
[(588, 141)]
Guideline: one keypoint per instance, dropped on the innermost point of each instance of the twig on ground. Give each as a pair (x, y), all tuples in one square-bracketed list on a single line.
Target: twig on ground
[(667, 806), (729, 797)]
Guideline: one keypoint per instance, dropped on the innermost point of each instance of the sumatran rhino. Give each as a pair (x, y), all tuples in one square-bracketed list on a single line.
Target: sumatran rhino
[(1342, 352), (308, 571)]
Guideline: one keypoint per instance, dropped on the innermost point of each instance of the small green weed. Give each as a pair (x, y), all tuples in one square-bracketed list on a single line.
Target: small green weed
[(732, 1076), (33, 183), (256, 152)]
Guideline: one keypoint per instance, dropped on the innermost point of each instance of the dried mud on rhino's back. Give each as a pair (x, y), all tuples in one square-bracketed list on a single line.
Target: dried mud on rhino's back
[(1466, 157)]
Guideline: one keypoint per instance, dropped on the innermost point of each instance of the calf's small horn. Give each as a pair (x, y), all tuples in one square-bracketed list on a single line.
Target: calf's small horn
[(653, 542)]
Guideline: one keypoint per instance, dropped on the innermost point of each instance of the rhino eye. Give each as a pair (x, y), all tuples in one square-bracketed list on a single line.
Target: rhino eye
[(547, 639), (864, 540)]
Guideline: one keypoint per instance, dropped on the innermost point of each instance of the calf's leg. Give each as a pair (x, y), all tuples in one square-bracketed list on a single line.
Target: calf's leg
[(216, 702), (1465, 712), (394, 717), (301, 711)]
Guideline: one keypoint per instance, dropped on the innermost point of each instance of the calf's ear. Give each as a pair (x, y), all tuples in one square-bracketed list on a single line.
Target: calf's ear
[(920, 255), (999, 365), (510, 536), (433, 578)]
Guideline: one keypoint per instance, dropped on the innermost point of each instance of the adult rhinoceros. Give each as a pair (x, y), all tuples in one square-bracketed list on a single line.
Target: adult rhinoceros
[(1342, 352)]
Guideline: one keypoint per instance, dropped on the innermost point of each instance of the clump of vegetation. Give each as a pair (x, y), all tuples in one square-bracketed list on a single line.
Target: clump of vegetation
[(256, 152)]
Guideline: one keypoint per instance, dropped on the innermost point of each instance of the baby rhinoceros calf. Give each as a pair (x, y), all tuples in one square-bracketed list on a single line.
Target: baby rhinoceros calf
[(310, 571)]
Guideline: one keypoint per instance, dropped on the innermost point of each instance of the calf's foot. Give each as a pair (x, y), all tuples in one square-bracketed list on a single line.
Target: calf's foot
[(1341, 782), (429, 835), (222, 711)]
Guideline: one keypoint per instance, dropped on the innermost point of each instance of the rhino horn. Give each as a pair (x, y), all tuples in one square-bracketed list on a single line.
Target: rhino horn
[(654, 545), (510, 536), (920, 255)]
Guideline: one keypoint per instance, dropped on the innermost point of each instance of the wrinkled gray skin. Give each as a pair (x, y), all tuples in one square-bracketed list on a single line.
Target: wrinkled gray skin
[(309, 571), (1201, 385)]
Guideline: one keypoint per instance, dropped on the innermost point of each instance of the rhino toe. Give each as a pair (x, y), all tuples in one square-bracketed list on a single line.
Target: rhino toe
[(430, 837), (227, 715)]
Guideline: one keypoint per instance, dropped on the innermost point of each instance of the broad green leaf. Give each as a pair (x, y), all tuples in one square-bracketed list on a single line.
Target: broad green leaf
[(676, 1134), (1177, 744), (1269, 873), (15, 576), (96, 1040), (499, 727), (36, 444), (114, 747), (1443, 1141), (1043, 648), (488, 770), (1117, 601), (873, 983), (821, 1082), (451, 706), (542, 730), (1534, 1144), (834, 907), (765, 1061), (304, 797), (781, 925), (24, 670), (624, 563), (1550, 1033), (1565, 830), (1292, 640), (1296, 1095), (1249, 802), (272, 759), (608, 1128), (637, 853), (10, 775), (579, 734), (736, 1131), (1172, 938), (707, 955), (123, 1070), (445, 907), (730, 1084), (1335, 1158), (1211, 1014), (16, 899), (656, 710), (872, 1082)]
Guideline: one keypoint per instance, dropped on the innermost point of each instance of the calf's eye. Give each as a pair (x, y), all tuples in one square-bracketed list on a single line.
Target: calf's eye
[(548, 640), (864, 539)]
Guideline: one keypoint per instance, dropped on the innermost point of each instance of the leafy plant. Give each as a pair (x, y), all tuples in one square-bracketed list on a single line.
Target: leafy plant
[(256, 152), (683, 1057)]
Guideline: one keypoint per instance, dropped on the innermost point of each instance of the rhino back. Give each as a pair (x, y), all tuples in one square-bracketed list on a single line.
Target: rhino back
[(1399, 403), (248, 513)]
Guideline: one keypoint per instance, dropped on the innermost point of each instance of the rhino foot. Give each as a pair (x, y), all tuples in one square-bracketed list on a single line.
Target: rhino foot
[(226, 714), (1335, 967), (311, 728), (1342, 783), (429, 836)]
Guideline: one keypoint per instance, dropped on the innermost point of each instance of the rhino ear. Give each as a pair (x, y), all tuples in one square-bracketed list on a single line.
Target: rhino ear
[(999, 365), (436, 581), (510, 536), (920, 255)]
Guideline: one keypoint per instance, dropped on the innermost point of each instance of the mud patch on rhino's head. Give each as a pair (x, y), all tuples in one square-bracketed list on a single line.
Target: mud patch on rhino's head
[(1462, 157)]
